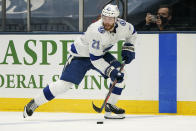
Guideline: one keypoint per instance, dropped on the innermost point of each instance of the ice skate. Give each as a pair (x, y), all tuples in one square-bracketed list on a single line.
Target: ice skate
[(118, 112), (29, 108)]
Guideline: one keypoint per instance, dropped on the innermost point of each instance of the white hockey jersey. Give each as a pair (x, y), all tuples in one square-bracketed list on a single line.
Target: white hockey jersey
[(96, 41)]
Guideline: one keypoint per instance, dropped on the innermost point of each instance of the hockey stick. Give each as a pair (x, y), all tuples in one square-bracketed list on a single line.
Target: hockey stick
[(99, 110)]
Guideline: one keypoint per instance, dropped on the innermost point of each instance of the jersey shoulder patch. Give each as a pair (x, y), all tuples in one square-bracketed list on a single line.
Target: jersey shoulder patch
[(101, 29), (122, 22)]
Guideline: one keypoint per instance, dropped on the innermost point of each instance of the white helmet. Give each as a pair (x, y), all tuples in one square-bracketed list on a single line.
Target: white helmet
[(110, 11)]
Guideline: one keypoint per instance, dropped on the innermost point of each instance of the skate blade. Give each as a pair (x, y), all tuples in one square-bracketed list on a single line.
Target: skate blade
[(25, 113), (114, 116)]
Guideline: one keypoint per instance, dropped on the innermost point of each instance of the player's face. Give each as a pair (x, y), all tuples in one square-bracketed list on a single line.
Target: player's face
[(108, 22)]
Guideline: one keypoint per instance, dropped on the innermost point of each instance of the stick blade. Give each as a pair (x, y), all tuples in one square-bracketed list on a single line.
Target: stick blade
[(97, 109)]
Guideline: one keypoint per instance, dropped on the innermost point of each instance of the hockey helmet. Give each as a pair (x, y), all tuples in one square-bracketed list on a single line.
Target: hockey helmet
[(110, 11)]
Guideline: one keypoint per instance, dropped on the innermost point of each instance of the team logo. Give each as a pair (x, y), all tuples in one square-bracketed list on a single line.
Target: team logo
[(122, 22), (101, 29), (108, 9)]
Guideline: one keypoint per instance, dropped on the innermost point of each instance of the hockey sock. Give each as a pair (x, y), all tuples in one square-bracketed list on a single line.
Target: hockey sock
[(116, 93), (40, 99), (52, 90)]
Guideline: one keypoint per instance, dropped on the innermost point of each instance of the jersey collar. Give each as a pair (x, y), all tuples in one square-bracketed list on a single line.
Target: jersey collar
[(116, 26)]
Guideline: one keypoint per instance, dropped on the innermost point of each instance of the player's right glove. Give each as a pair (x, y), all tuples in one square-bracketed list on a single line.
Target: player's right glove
[(114, 74)]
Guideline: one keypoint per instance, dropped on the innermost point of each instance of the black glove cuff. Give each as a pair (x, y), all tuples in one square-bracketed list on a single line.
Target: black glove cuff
[(108, 70), (128, 47)]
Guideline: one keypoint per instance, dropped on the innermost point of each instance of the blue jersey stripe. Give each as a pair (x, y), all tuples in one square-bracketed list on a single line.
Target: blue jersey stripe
[(106, 49), (93, 57), (73, 49), (134, 31), (167, 73)]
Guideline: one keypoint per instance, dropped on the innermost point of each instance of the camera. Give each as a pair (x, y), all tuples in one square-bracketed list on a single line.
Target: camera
[(154, 18)]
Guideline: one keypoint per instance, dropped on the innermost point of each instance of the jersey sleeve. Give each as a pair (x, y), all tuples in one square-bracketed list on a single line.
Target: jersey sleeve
[(96, 50), (131, 34)]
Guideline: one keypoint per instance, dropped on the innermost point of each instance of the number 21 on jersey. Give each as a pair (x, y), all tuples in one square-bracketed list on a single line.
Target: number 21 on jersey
[(95, 44)]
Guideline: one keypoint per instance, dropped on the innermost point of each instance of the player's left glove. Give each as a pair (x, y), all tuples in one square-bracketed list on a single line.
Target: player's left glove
[(114, 74), (128, 52)]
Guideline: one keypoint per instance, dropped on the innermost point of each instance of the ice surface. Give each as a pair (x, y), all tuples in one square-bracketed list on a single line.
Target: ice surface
[(13, 121)]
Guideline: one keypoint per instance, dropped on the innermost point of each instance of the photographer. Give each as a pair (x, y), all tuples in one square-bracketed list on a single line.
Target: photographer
[(161, 21)]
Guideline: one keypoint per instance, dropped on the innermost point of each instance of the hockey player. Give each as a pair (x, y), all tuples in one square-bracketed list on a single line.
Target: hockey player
[(90, 51)]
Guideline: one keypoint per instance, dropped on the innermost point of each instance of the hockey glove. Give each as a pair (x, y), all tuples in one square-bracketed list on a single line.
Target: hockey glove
[(116, 75), (128, 52)]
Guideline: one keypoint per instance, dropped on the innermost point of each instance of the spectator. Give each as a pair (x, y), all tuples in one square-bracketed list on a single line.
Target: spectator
[(161, 21)]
